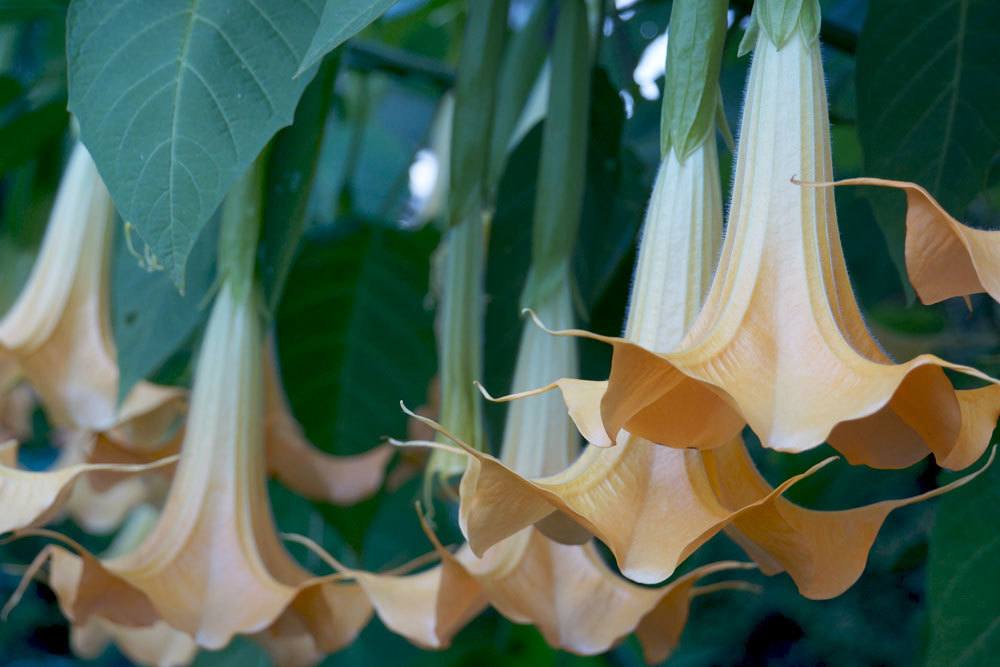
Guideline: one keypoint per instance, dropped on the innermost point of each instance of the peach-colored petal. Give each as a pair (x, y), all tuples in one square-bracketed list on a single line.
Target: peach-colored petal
[(944, 258), (17, 402), (300, 465), (212, 566), (780, 341), (59, 330), (577, 602), (31, 498), (156, 645), (651, 505), (823, 551)]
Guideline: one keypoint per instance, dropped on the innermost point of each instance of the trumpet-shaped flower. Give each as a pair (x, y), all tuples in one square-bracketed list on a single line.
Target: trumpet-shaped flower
[(653, 505), (59, 329), (577, 602), (213, 566), (781, 342), (156, 645)]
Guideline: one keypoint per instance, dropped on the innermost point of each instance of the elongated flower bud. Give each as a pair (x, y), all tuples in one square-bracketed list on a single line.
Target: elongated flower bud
[(58, 332), (539, 437), (678, 249)]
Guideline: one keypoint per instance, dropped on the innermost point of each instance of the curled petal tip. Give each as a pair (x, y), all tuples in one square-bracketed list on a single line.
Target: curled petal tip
[(538, 322), (482, 390)]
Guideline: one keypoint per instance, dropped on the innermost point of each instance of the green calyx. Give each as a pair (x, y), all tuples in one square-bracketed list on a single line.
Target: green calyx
[(779, 19), (694, 58)]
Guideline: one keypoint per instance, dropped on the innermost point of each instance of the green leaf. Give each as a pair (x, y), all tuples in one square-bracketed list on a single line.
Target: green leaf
[(928, 102), (176, 98), (354, 335), (291, 171), (963, 579), (341, 20), (151, 321), (617, 194)]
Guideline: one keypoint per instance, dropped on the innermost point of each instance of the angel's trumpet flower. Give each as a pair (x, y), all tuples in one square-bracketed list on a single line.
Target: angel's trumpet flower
[(577, 602), (156, 645), (654, 505), (213, 566), (59, 329), (781, 342)]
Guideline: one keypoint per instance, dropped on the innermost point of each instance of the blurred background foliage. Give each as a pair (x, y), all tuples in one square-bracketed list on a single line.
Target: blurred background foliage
[(914, 94)]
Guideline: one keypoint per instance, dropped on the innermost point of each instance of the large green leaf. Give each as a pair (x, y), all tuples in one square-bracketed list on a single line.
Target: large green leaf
[(354, 335), (176, 98), (964, 582), (341, 20), (928, 79)]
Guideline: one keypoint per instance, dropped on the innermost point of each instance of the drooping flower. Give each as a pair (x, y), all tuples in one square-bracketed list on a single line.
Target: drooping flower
[(59, 329), (577, 602), (213, 565), (781, 342), (157, 645), (653, 505)]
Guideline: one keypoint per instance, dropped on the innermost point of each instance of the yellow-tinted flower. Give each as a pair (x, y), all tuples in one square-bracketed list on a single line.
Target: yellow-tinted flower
[(157, 645), (59, 329), (575, 600), (213, 565), (32, 498), (781, 342), (654, 505)]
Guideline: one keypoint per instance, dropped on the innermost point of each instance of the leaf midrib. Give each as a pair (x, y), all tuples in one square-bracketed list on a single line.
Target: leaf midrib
[(175, 118)]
